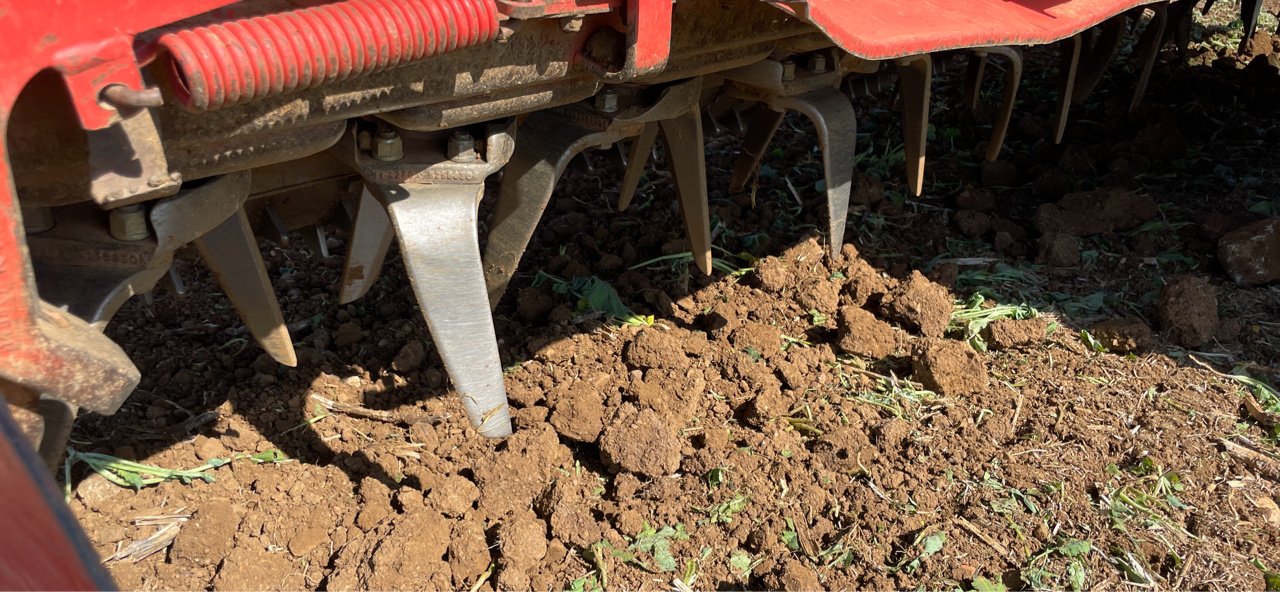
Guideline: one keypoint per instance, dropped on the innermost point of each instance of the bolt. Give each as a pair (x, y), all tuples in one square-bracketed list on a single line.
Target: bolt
[(607, 101), (388, 146), (788, 70), (461, 147), (129, 223), (571, 24), (36, 220), (817, 63)]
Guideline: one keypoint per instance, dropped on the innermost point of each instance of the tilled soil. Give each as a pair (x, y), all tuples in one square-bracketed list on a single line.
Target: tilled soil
[(813, 422)]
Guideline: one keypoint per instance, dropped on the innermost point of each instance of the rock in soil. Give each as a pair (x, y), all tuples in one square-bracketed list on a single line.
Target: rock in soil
[(1059, 250), (919, 305), (1188, 311), (1010, 333), (1251, 254), (411, 356), (862, 334), (641, 442), (1122, 335), (949, 368), (1086, 213)]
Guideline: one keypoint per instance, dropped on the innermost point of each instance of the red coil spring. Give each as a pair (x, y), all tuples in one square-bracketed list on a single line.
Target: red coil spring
[(244, 60)]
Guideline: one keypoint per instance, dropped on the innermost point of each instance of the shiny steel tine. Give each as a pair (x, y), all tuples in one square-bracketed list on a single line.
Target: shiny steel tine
[(764, 123), (231, 251), (915, 76), (1066, 85), (833, 116), (637, 159), (436, 227), (371, 235), (1013, 78), (686, 154)]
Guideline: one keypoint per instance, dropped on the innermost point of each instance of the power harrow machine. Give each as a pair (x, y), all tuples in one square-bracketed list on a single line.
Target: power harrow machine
[(136, 128)]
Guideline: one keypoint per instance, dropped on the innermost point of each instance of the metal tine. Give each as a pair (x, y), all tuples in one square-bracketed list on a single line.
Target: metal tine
[(1250, 10), (274, 227), (437, 228), (1148, 49), (833, 116), (1179, 28), (1066, 84), (231, 251), (686, 154), (547, 143), (763, 125), (915, 77), (1094, 62), (371, 235), (1013, 78), (314, 236), (974, 73), (637, 158), (173, 283)]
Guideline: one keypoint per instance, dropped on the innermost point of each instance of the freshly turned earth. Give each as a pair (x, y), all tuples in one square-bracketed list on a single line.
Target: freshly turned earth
[(779, 417)]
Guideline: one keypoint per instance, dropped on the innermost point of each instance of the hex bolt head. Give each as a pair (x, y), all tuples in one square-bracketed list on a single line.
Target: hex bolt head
[(37, 219), (817, 63), (788, 70), (607, 101), (129, 223), (388, 146), (461, 147)]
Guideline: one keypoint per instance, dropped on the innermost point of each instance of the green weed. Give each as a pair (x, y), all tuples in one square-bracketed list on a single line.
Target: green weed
[(972, 316), (127, 473), (594, 296)]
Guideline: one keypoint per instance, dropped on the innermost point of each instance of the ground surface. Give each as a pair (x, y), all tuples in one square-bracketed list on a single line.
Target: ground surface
[(810, 423)]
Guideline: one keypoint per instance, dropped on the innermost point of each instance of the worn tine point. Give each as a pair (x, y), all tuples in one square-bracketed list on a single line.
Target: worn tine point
[(1147, 50), (231, 251), (371, 235)]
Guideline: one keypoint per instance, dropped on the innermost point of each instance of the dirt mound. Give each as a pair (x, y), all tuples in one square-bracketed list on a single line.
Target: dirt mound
[(1009, 333), (1251, 254), (919, 305), (1087, 213), (862, 334), (1123, 335), (949, 368), (1188, 311), (642, 442)]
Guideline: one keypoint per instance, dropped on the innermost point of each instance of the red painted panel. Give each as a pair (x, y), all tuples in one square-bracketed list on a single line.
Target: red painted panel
[(883, 29)]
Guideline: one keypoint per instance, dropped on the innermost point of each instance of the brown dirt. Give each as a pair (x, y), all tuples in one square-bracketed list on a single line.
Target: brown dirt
[(746, 415), (1123, 335), (1188, 310)]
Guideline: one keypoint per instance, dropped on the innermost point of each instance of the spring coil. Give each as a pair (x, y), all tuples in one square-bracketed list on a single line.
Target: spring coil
[(244, 60)]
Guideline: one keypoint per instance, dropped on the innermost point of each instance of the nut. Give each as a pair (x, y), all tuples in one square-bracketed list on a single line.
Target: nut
[(388, 146), (461, 147), (607, 101), (571, 24), (129, 223), (788, 70), (817, 63)]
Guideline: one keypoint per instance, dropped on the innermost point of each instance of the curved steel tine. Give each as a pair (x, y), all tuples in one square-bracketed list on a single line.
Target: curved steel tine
[(1093, 64), (1147, 50), (1066, 84), (837, 124), (371, 235), (1000, 127), (915, 75), (436, 225), (686, 154), (231, 251), (637, 159), (547, 143), (974, 73), (764, 123)]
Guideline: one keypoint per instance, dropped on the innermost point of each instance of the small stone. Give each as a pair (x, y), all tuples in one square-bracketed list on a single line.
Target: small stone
[(209, 448), (410, 358), (1060, 250), (972, 224), (1251, 254), (348, 333), (1188, 311)]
